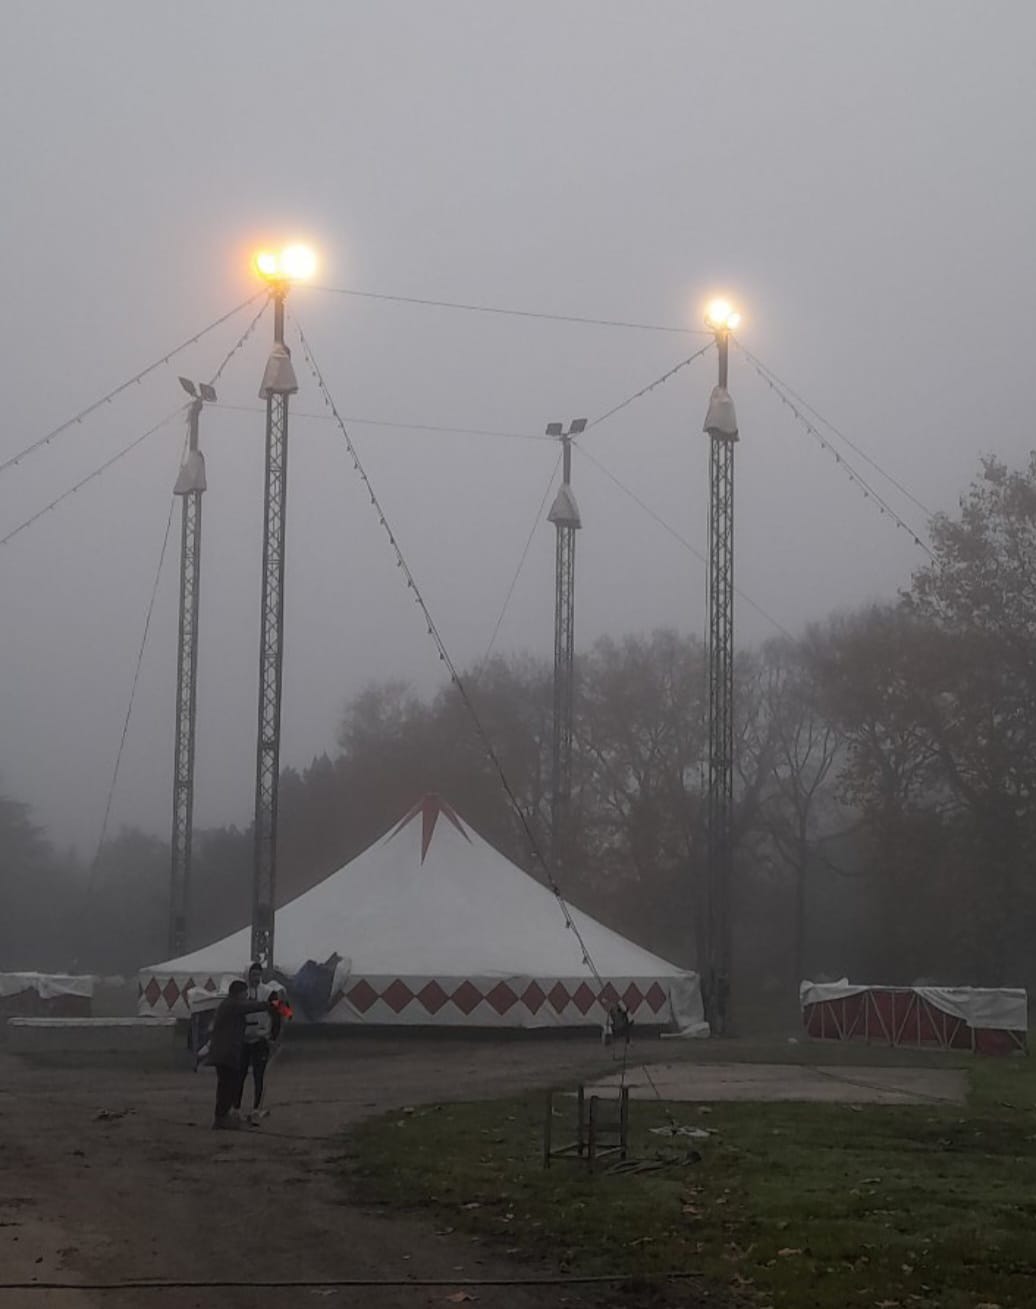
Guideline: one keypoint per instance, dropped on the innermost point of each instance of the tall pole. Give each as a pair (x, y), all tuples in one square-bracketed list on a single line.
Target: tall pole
[(721, 426), (278, 384), (564, 514), (190, 484)]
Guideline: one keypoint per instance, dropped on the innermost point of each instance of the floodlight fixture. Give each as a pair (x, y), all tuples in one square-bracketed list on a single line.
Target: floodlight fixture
[(294, 263), (203, 391), (266, 264), (721, 316), (577, 426), (555, 429)]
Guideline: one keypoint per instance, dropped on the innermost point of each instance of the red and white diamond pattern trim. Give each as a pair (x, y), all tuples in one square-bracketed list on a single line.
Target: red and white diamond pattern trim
[(645, 1002)]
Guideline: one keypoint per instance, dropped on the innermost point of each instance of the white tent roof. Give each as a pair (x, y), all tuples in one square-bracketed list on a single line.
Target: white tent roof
[(431, 898)]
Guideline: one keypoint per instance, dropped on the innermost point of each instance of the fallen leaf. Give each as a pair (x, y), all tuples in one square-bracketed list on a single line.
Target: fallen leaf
[(786, 1252)]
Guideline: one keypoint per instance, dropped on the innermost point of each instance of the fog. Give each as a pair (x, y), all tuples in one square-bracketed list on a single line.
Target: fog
[(857, 177)]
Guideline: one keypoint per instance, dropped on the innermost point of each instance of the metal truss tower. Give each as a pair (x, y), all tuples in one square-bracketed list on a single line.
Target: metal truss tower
[(279, 383), (190, 485), (721, 426), (564, 514)]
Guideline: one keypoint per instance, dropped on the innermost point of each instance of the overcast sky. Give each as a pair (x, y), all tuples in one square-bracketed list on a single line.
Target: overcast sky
[(857, 175)]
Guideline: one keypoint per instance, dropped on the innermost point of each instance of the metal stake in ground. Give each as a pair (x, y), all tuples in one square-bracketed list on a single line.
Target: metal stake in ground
[(564, 514), (190, 484), (721, 426), (279, 383)]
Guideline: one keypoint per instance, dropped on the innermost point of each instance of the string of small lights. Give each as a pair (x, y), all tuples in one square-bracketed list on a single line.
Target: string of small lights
[(45, 440), (857, 478), (447, 661)]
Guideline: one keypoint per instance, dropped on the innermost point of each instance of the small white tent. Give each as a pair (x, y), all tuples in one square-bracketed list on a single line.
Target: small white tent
[(436, 928)]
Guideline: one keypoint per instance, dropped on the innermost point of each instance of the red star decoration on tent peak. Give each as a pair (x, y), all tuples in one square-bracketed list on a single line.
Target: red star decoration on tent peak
[(430, 807)]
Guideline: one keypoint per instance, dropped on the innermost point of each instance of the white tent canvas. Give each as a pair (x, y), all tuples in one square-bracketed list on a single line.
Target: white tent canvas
[(436, 928)]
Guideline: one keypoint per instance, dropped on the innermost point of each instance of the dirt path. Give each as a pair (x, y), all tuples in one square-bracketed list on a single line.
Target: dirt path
[(150, 1192)]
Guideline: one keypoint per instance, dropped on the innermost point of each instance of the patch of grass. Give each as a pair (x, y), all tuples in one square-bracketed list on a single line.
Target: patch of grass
[(802, 1206)]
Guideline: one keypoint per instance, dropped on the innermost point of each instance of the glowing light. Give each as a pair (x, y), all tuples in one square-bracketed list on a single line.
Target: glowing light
[(721, 316), (295, 263), (298, 262)]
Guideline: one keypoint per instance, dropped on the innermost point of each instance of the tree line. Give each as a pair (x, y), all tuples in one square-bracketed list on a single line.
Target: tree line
[(885, 769)]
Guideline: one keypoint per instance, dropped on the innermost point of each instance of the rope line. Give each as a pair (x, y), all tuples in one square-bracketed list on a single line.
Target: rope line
[(521, 564), (133, 692), (114, 459), (651, 385), (406, 427), (450, 666), (90, 476), (509, 312), (242, 339), (857, 478), (677, 536), (903, 490), (42, 441)]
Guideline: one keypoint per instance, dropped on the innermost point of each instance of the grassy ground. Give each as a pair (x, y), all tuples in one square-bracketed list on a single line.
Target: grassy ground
[(810, 1206)]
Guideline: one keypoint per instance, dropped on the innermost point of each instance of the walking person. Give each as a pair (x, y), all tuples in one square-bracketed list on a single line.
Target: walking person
[(226, 1048), (262, 1028)]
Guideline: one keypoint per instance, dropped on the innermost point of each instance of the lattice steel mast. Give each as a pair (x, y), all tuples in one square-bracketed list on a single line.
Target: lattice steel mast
[(721, 426), (279, 383), (564, 514), (190, 484)]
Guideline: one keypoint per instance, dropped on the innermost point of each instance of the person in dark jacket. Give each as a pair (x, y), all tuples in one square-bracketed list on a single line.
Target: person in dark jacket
[(261, 1033), (226, 1048)]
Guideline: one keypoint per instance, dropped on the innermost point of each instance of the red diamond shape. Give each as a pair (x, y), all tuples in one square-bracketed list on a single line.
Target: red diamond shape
[(655, 997), (633, 997), (362, 995), (466, 997), (432, 996), (397, 996), (152, 991), (533, 997), (583, 999), (558, 997), (210, 984), (171, 992), (502, 998), (188, 985), (609, 996)]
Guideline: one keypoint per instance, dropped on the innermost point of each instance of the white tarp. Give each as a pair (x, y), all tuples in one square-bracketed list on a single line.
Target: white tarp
[(439, 929), (993, 1008), (48, 986)]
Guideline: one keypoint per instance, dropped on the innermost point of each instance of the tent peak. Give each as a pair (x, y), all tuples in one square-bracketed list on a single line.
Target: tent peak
[(429, 807)]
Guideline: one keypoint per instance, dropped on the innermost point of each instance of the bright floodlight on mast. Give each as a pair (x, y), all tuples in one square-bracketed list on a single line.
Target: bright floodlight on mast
[(279, 269), (190, 484), (564, 514), (721, 426)]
